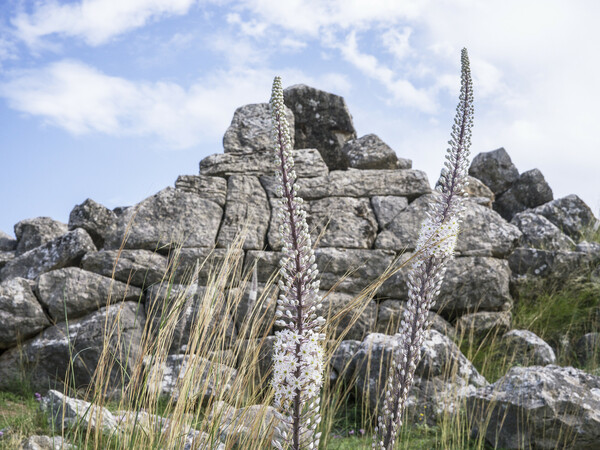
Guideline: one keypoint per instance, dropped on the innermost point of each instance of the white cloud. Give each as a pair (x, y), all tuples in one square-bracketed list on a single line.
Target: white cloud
[(403, 90), (95, 21), (81, 99)]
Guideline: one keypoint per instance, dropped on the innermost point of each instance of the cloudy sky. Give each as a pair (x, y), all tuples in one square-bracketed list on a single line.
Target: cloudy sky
[(113, 99)]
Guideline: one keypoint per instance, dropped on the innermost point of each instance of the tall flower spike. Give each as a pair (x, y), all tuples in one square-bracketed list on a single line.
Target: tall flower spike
[(435, 247), (298, 353)]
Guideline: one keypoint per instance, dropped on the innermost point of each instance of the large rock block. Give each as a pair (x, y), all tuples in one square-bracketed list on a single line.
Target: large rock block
[(478, 192), (93, 218), (46, 358), (473, 284), (366, 183), (539, 407), (344, 221), (556, 265), (247, 211), (539, 232), (443, 374), (483, 232), (389, 318), (208, 380), (254, 313), (370, 152), (73, 292), (322, 121), (63, 251), (211, 188), (32, 233), (587, 348), (250, 129), (65, 412), (308, 163), (140, 268), (351, 270), (210, 261), (193, 307), (526, 348), (386, 208), (528, 191), (6, 257), (21, 315), (482, 325), (335, 303), (7, 243), (495, 169), (169, 217), (570, 214)]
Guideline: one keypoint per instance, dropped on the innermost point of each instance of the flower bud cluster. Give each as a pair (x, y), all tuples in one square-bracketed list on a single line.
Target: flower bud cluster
[(435, 247), (298, 353)]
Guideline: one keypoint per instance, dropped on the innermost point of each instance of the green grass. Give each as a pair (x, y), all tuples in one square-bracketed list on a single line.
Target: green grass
[(20, 415)]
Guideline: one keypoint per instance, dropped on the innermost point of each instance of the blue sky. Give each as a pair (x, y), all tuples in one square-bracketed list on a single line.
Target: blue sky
[(113, 99)]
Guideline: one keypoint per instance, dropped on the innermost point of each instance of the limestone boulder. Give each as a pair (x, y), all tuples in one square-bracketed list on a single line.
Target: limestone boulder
[(591, 249), (21, 315), (480, 325), (478, 192), (474, 284), (344, 307), (42, 442), (526, 348), (495, 169), (6, 257), (250, 129), (193, 307), (64, 412), (207, 379), (370, 152), (389, 318), (386, 208), (570, 214), (7, 243), (342, 222), (266, 262), (255, 305), (170, 217), (45, 358), (556, 265), (63, 251), (350, 270), (210, 261), (321, 121), (74, 292), (94, 218), (308, 163), (539, 232), (538, 407), (32, 233), (211, 188), (483, 232), (247, 211), (528, 191), (442, 376), (139, 268)]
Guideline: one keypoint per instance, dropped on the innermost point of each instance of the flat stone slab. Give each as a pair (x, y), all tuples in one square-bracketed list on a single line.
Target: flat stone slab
[(307, 163)]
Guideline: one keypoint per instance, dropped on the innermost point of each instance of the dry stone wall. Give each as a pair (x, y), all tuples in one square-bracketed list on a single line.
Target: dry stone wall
[(365, 206)]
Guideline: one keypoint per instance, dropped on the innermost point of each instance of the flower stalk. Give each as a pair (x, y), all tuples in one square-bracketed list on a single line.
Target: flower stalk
[(298, 352), (435, 247)]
